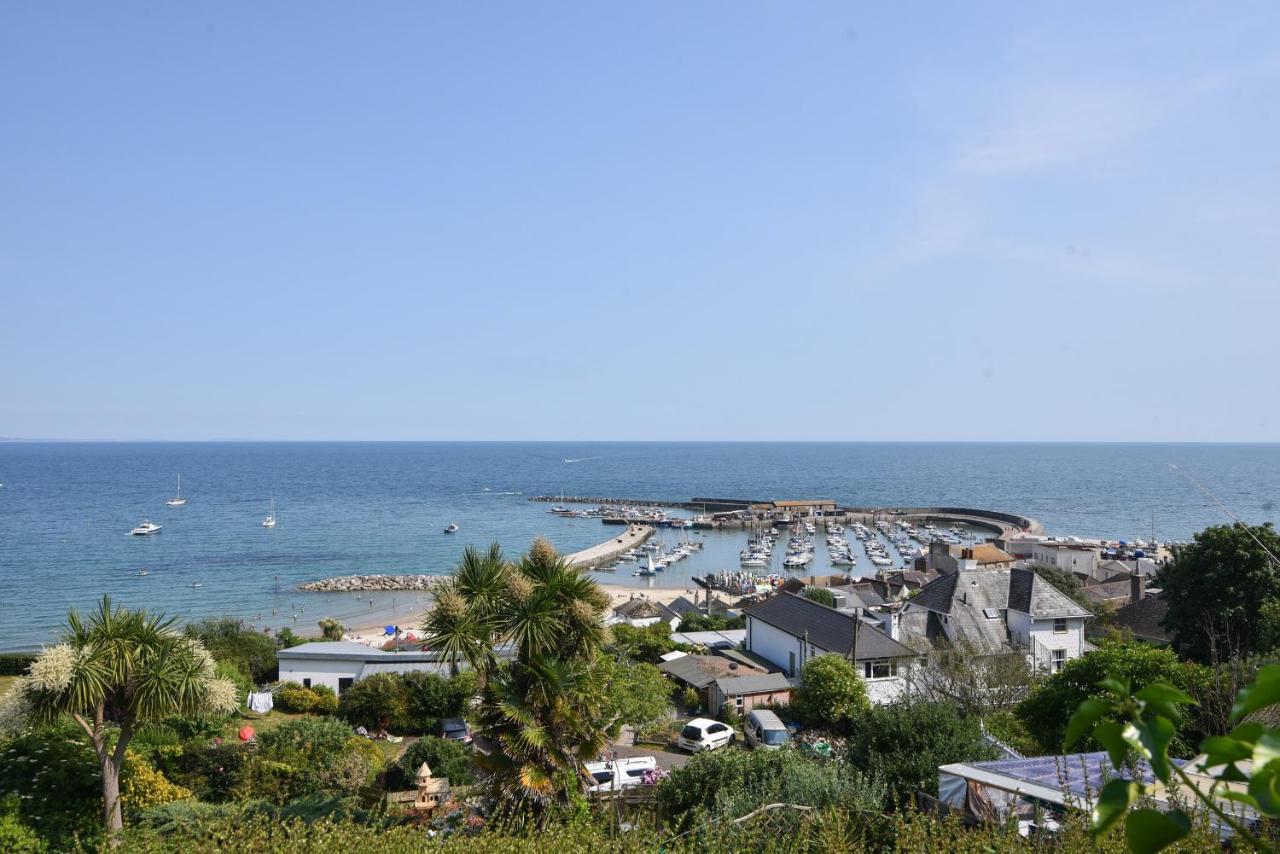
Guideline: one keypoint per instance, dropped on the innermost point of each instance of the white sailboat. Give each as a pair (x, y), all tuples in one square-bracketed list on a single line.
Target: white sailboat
[(270, 521), (177, 500)]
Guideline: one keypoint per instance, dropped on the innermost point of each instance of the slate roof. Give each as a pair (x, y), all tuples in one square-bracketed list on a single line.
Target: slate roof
[(828, 629), (1143, 619), (965, 598), (640, 609), (765, 683), (683, 607)]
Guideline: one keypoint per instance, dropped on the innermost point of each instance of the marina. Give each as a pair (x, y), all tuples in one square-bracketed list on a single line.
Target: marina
[(381, 509)]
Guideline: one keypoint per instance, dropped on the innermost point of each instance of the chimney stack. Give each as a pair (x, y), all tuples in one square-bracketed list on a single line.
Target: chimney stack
[(1137, 586)]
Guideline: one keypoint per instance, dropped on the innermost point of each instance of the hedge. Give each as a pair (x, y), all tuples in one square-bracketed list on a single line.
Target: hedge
[(15, 663)]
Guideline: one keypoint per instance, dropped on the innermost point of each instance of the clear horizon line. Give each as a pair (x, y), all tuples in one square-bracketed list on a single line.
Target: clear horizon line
[(228, 441)]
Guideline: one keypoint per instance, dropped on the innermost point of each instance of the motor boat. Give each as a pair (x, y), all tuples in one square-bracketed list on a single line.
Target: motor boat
[(452, 528), (141, 573), (146, 528), (270, 521)]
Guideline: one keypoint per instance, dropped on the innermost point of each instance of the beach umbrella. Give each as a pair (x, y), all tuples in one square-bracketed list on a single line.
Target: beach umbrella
[(391, 630)]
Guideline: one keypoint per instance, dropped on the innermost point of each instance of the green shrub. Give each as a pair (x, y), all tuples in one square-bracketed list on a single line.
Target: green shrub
[(1047, 709), (690, 699), (734, 782), (446, 758), (729, 714), (376, 702), (17, 838), (53, 775), (903, 744), (331, 629), (212, 773), (326, 702), (821, 595), (429, 697), (230, 640), (15, 663), (831, 694), (292, 697)]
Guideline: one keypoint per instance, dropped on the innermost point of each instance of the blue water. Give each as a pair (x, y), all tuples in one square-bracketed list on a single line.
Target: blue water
[(66, 509)]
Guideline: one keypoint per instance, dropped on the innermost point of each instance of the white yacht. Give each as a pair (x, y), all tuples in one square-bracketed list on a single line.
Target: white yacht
[(146, 528), (177, 500), (452, 528), (270, 521)]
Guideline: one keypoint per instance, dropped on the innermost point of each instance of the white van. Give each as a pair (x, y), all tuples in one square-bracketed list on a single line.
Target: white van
[(612, 776), (765, 729)]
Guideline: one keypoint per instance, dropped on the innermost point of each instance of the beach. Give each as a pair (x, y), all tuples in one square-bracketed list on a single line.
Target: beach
[(409, 618)]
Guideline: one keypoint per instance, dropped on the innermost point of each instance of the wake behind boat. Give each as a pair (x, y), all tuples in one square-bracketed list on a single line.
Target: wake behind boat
[(145, 528)]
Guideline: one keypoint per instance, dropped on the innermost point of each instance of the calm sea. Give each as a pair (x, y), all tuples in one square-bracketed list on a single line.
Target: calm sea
[(66, 509)]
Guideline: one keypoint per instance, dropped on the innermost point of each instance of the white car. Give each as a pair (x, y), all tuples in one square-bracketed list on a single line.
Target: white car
[(704, 734), (612, 776)]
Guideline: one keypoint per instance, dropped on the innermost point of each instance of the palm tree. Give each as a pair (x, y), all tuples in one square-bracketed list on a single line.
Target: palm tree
[(541, 708), (112, 673)]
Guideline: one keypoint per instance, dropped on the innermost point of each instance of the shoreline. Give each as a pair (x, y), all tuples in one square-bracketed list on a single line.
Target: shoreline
[(412, 618)]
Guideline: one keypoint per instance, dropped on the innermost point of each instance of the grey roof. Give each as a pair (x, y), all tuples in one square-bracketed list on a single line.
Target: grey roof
[(701, 670), (350, 651), (714, 638), (827, 629), (641, 609), (733, 686), (683, 607), (965, 598)]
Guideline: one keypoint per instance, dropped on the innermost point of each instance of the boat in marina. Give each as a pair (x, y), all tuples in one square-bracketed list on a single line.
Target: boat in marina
[(145, 529), (177, 500)]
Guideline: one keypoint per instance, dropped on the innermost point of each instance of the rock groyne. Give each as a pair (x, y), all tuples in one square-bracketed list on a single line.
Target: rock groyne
[(357, 583)]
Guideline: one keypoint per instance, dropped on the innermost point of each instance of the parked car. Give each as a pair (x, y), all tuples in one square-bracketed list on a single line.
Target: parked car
[(454, 729), (765, 729), (704, 734), (612, 776)]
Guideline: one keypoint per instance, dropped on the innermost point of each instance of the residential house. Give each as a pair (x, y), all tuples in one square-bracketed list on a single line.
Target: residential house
[(734, 680), (945, 557), (340, 664), (993, 611), (640, 612), (1080, 558), (789, 630)]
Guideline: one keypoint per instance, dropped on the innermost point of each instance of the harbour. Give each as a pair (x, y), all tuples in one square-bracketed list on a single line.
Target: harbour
[(367, 509)]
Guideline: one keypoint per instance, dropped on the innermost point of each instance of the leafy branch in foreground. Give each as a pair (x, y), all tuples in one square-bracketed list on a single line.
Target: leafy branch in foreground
[(1142, 725)]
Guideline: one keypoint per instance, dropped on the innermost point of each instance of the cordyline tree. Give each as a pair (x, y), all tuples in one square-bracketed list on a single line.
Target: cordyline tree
[(544, 710), (111, 673)]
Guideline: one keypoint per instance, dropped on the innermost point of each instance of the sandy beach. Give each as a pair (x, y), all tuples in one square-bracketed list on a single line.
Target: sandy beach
[(408, 619)]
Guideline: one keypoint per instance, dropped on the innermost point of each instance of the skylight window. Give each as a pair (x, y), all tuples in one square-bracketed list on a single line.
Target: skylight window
[(991, 613)]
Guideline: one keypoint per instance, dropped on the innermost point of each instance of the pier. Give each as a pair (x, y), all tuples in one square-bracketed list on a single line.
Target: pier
[(607, 551)]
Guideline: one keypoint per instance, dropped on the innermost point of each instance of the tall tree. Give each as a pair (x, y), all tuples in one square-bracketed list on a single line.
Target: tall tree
[(1218, 590), (112, 673), (543, 709)]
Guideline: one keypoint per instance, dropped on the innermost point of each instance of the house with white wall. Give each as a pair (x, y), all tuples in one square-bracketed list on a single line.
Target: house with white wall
[(789, 630), (994, 611), (1080, 558), (640, 612), (340, 664)]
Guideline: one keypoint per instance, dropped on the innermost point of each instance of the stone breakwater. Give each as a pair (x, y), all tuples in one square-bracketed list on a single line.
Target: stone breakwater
[(357, 583)]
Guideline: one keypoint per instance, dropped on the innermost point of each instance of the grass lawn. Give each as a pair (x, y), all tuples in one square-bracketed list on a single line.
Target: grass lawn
[(261, 723), (6, 682)]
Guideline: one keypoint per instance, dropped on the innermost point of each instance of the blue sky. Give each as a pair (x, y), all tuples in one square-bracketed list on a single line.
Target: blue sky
[(640, 221)]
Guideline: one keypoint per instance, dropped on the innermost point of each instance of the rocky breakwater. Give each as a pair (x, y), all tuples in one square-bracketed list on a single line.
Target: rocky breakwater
[(358, 583)]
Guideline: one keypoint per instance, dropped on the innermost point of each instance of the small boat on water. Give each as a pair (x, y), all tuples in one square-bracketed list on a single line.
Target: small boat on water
[(270, 521), (141, 573), (452, 528), (196, 584), (177, 500), (146, 528)]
